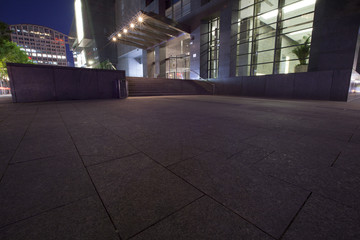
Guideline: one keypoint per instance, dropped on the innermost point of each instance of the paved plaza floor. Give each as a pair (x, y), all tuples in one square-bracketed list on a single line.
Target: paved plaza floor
[(180, 167)]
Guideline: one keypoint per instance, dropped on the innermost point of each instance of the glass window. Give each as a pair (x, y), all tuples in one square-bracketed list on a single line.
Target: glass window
[(269, 35), (214, 45)]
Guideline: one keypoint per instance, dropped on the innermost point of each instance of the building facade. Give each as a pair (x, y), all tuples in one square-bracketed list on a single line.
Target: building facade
[(94, 22), (42, 44), (247, 47)]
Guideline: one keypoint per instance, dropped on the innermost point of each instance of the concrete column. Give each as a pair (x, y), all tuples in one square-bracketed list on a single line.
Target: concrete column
[(162, 61), (334, 40), (144, 62), (150, 63), (195, 54), (225, 41), (157, 61), (335, 31), (204, 48)]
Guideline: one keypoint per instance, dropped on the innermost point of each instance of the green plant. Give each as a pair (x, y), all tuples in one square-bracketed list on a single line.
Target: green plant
[(303, 51), (10, 52), (105, 65)]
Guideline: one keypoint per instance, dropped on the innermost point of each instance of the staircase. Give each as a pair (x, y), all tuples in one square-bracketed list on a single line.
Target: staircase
[(164, 86)]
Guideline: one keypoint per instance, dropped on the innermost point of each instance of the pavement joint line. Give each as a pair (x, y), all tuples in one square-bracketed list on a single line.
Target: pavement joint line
[(92, 181), (234, 212), (186, 159), (229, 209), (31, 160), (44, 211), (111, 160), (337, 157), (163, 218), (318, 193), (297, 213), (8, 116), (161, 165), (287, 182), (18, 145), (350, 137)]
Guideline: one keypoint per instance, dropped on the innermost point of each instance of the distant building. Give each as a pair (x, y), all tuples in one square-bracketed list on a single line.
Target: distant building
[(42, 44)]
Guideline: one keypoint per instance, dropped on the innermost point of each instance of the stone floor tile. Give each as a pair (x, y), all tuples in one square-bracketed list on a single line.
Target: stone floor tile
[(83, 219), (314, 174), (167, 150), (138, 192), (324, 219), (32, 187), (349, 158), (43, 147), (10, 137), (273, 140), (97, 149), (250, 155), (84, 130), (267, 202), (203, 219), (292, 164), (4, 161)]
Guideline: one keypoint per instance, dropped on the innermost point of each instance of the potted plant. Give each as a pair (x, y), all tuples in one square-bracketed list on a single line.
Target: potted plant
[(302, 52)]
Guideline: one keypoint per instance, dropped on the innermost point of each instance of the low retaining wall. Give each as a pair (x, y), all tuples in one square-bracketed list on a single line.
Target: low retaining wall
[(322, 85), (31, 83)]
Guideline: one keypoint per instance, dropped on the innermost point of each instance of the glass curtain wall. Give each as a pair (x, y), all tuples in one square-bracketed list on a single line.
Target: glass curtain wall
[(214, 46), (176, 9), (267, 33)]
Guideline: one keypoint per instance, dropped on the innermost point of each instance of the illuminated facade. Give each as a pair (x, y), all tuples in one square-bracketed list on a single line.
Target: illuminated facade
[(42, 44), (247, 47), (94, 21)]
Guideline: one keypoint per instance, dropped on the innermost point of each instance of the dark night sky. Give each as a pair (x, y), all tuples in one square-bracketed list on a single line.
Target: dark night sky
[(56, 14)]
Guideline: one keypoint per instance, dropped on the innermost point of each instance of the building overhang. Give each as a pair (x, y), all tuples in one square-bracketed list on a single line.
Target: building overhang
[(147, 30)]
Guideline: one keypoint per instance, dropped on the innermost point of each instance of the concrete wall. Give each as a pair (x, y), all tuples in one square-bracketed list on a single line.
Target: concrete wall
[(322, 85), (335, 30), (30, 83)]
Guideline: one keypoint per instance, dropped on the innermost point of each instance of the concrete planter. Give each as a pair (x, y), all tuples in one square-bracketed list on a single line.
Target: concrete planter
[(301, 68)]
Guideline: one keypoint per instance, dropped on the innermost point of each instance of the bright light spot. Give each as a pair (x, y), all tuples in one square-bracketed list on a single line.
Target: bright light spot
[(114, 39), (287, 64), (125, 30), (82, 58), (79, 20), (298, 5), (301, 31), (140, 19), (91, 62), (132, 25), (271, 14), (119, 34)]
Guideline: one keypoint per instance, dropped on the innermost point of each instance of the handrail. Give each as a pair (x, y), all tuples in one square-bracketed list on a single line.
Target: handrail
[(206, 80)]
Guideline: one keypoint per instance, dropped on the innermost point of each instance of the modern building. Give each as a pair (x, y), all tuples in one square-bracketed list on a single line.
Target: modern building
[(247, 47), (42, 44), (94, 22)]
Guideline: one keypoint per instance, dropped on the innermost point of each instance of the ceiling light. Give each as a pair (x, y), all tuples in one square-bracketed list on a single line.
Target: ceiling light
[(125, 30), (132, 25), (114, 39), (140, 19), (119, 34)]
